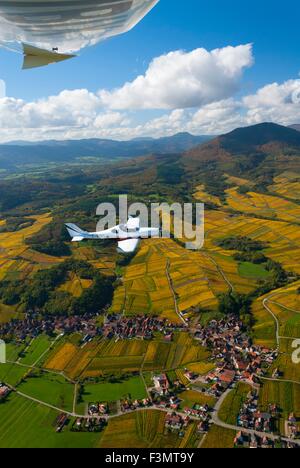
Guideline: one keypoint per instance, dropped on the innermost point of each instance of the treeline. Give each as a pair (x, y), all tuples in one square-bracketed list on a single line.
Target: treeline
[(16, 223), (40, 294), (51, 240), (242, 244), (248, 249)]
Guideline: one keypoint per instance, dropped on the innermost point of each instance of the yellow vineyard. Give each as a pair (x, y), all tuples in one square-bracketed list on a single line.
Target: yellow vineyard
[(164, 273), (16, 258)]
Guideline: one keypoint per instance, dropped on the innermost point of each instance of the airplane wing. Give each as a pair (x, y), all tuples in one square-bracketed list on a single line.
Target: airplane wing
[(35, 57), (128, 246), (133, 224)]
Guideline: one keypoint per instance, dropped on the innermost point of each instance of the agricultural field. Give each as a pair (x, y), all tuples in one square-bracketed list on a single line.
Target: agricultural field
[(264, 329), (284, 304), (252, 271), (219, 438), (239, 181), (103, 259), (201, 368), (285, 395), (267, 206), (282, 238), (75, 285), (12, 374), (8, 313), (49, 388), (15, 351), (204, 197), (35, 350), (144, 429), (190, 398), (287, 185), (104, 357), (25, 424), (233, 403), (17, 260), (195, 279), (127, 387), (61, 356), (284, 364)]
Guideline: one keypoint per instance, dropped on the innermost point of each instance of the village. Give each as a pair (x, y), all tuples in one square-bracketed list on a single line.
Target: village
[(114, 327), (234, 357), (141, 326), (237, 360), (251, 420)]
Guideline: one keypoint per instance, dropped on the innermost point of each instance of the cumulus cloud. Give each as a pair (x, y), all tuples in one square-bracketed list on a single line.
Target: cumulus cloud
[(175, 82), (189, 91), (275, 103), (184, 80)]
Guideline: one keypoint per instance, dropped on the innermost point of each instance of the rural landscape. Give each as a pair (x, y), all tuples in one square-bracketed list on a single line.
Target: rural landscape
[(169, 347)]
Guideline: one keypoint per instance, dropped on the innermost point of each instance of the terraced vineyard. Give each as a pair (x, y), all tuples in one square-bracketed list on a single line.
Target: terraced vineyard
[(103, 357)]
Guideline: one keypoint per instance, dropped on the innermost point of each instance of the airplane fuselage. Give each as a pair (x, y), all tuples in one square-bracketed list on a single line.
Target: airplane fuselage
[(119, 234)]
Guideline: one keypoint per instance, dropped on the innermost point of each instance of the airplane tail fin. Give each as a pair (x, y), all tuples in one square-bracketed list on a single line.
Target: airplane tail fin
[(75, 232)]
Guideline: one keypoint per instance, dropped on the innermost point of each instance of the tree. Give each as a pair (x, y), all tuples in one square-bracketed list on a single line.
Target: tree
[(233, 303)]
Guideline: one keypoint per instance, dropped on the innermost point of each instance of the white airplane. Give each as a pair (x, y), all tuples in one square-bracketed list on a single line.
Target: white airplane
[(128, 235)]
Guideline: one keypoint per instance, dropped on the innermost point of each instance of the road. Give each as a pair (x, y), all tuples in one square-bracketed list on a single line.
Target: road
[(265, 304), (173, 292), (73, 414)]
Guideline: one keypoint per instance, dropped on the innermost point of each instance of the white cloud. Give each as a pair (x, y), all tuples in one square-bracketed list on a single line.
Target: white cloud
[(194, 92), (184, 80), (274, 103), (175, 82)]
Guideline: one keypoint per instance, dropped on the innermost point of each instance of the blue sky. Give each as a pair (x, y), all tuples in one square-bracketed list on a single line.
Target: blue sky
[(272, 28)]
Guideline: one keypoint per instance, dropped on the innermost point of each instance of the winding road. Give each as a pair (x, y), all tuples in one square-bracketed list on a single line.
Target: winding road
[(173, 292)]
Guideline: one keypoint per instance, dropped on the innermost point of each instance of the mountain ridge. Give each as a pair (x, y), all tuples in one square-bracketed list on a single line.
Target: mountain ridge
[(248, 147), (55, 151)]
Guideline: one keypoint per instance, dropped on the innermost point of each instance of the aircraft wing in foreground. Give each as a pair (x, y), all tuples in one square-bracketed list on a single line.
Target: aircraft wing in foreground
[(58, 29)]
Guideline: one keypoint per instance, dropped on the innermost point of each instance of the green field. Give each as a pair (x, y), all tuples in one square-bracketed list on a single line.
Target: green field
[(36, 349), (13, 351), (11, 373), (133, 388), (51, 389), (191, 398), (252, 271), (233, 403), (25, 424)]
